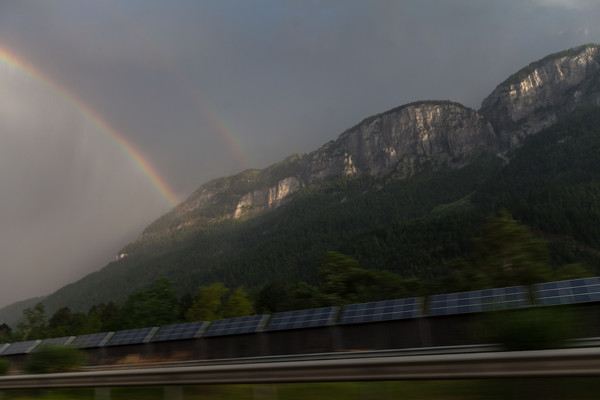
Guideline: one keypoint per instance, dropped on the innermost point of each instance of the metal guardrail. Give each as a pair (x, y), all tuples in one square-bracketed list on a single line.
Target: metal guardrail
[(526, 364), (438, 350), (475, 348)]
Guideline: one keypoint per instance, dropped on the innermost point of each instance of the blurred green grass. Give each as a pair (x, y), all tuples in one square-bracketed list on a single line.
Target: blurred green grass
[(500, 389)]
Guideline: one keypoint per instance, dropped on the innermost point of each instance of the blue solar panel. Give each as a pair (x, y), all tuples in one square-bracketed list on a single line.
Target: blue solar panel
[(303, 318), (478, 300), (131, 336), (91, 340), (21, 347), (180, 331), (567, 292), (382, 311), (234, 326), (61, 341)]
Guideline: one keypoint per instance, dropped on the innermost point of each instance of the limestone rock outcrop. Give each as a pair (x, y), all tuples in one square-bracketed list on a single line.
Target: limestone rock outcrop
[(400, 140), (542, 93)]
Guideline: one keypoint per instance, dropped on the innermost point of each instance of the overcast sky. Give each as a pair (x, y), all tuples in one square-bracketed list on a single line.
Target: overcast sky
[(203, 89)]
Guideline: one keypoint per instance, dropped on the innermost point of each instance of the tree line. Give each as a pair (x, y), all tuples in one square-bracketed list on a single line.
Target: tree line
[(507, 253)]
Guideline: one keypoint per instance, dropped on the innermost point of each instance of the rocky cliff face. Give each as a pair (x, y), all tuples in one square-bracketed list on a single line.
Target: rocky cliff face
[(267, 197), (405, 139), (542, 93), (248, 193), (433, 132)]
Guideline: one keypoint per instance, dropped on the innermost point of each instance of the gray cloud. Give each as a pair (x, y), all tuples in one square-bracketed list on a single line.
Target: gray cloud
[(205, 89)]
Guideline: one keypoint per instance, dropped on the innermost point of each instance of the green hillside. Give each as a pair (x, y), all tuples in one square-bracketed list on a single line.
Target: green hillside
[(285, 244), (412, 226), (551, 184)]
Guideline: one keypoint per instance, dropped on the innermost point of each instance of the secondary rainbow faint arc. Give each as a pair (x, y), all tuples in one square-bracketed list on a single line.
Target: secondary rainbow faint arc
[(139, 159), (232, 141)]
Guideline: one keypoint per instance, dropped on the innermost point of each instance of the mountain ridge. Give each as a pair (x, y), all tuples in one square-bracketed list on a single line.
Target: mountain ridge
[(417, 143), (442, 132), (540, 94), (493, 126)]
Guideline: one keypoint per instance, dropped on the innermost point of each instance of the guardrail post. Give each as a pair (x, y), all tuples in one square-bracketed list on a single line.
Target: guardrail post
[(102, 393), (173, 393)]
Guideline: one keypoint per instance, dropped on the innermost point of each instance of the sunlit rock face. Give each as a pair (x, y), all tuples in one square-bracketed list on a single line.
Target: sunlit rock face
[(432, 133), (268, 197), (402, 139), (542, 93), (248, 193)]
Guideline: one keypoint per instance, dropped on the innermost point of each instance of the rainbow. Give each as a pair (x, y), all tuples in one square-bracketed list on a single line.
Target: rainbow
[(231, 140), (11, 59)]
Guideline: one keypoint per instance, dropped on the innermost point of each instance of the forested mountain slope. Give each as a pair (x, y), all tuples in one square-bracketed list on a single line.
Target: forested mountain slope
[(551, 184), (404, 190)]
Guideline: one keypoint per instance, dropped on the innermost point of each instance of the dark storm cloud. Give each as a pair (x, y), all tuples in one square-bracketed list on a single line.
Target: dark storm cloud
[(205, 89)]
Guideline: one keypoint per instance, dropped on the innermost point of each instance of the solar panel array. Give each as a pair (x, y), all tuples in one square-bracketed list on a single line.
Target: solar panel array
[(382, 311), (568, 292), (91, 340), (551, 293), (180, 331), (314, 317), (20, 347), (478, 300), (235, 326), (61, 341), (131, 336)]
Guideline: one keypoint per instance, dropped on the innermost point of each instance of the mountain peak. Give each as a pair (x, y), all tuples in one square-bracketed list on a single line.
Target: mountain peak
[(578, 52), (432, 132), (545, 91), (418, 103)]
